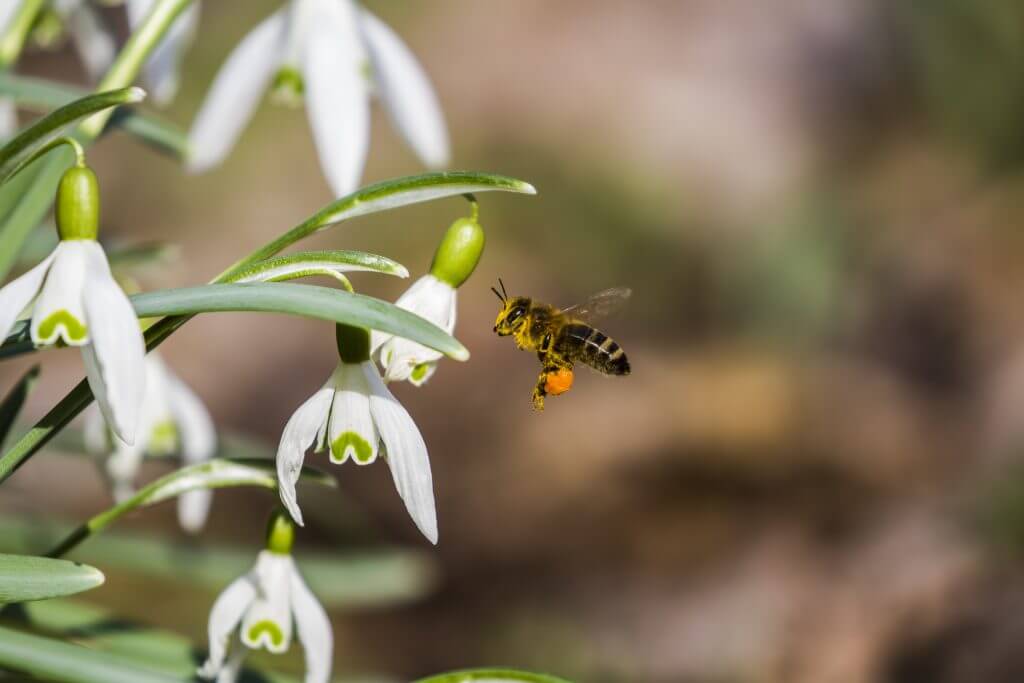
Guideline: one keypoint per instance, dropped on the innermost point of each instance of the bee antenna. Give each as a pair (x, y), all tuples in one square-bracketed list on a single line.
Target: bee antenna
[(504, 293), (498, 294)]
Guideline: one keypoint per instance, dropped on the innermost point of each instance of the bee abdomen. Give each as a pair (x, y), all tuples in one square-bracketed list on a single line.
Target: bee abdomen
[(593, 347)]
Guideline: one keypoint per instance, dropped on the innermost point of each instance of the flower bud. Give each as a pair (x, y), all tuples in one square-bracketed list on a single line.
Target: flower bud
[(459, 252), (280, 532), (353, 343), (78, 204)]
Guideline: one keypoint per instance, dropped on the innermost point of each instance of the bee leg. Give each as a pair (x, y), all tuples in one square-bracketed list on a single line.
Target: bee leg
[(539, 391)]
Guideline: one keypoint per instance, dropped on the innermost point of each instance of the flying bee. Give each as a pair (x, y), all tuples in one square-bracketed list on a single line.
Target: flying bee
[(561, 338)]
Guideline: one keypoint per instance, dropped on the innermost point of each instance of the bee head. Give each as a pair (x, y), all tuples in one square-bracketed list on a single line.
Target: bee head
[(513, 311)]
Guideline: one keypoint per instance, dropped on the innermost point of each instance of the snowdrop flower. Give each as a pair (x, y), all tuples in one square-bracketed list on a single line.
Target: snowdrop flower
[(92, 41), (352, 414), (161, 73), (334, 52), (432, 297), (172, 419), (261, 607), (80, 304), (8, 120)]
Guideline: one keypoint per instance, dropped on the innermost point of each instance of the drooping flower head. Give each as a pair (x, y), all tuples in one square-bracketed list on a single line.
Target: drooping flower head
[(172, 420), (78, 303), (258, 610), (358, 419), (433, 297), (161, 73), (333, 54)]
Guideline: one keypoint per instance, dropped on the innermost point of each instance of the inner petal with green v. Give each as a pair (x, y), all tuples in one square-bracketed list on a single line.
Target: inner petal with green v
[(70, 328), (267, 628), (362, 452)]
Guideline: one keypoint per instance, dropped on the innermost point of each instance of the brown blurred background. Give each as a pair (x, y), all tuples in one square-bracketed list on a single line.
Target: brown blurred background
[(814, 472)]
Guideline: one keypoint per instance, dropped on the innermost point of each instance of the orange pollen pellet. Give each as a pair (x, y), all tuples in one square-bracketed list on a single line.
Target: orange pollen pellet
[(558, 382)]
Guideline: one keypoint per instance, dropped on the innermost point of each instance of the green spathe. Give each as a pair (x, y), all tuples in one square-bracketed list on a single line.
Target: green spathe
[(280, 532), (78, 204), (459, 252)]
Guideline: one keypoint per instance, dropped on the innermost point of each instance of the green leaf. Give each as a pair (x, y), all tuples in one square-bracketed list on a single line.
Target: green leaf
[(25, 207), (308, 300), (53, 124), (388, 194), (212, 474), (14, 401), (491, 676), (54, 660), (23, 578), (40, 94), (309, 263)]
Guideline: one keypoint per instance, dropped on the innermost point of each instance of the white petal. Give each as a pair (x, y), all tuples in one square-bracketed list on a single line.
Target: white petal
[(92, 40), (229, 672), (161, 70), (225, 615), (8, 119), (352, 433), (434, 300), (300, 432), (406, 454), (406, 92), (314, 631), (121, 468), (337, 100), (59, 314), (198, 443), (19, 292), (235, 93), (268, 621), (115, 360), (7, 12), (95, 434)]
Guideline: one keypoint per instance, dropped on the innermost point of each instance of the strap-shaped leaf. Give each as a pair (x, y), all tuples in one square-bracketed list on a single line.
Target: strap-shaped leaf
[(309, 263), (15, 399), (307, 300), (491, 676), (24, 578), (54, 660), (213, 474)]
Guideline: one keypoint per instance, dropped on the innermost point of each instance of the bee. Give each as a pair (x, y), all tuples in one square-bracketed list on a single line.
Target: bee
[(561, 338)]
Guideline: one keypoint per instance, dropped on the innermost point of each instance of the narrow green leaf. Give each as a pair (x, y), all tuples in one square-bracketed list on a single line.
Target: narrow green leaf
[(308, 300), (212, 474), (308, 263), (40, 94), (24, 578), (491, 676), (54, 123), (54, 660), (30, 205), (14, 401)]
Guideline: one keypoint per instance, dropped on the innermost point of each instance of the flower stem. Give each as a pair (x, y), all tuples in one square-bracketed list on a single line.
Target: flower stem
[(13, 39)]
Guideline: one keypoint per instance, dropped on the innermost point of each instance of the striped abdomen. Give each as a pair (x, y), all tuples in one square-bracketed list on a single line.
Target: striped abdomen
[(583, 343)]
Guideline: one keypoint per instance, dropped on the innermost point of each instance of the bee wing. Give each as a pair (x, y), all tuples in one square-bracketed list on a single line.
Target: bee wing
[(600, 305)]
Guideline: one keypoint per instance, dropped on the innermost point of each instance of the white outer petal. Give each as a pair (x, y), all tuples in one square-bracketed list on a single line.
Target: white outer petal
[(115, 358), (350, 412), (235, 92), (406, 92), (300, 432), (93, 42), (95, 434), (225, 615), (19, 292), (314, 629), (8, 118), (406, 454), (273, 601), (7, 11), (229, 672), (429, 298), (337, 100), (198, 443), (63, 291), (161, 70)]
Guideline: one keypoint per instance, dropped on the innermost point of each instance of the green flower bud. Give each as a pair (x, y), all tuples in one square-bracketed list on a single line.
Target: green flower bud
[(459, 252), (78, 204), (353, 343), (280, 532), (288, 87)]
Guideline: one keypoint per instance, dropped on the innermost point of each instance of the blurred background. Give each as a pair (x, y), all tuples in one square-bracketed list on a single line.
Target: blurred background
[(815, 471)]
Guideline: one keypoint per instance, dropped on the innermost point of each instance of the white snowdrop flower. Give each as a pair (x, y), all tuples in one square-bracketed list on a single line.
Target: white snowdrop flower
[(352, 415), (90, 37), (432, 297), (172, 419), (161, 74), (78, 302), (8, 119), (335, 53), (258, 610)]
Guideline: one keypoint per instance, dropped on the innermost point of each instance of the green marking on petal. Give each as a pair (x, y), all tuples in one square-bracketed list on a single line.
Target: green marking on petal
[(419, 372), (272, 630), (163, 440), (288, 88), (74, 329), (361, 449)]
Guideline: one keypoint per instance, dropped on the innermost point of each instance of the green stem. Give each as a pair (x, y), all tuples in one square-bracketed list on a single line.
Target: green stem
[(13, 39), (133, 56)]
